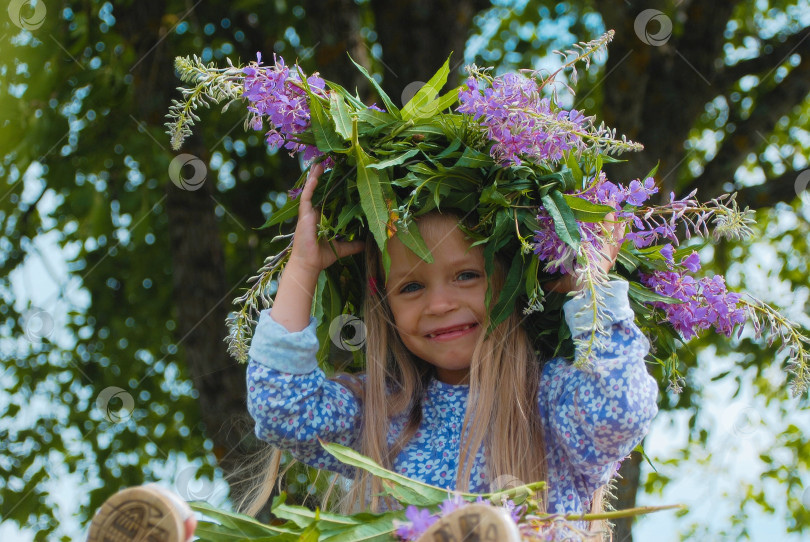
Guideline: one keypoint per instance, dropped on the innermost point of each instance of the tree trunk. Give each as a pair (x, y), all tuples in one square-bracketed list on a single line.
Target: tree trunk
[(201, 294), (417, 37), (627, 488)]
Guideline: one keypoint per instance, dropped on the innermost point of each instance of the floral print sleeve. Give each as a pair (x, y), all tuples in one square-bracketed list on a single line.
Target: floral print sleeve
[(292, 401), (595, 418)]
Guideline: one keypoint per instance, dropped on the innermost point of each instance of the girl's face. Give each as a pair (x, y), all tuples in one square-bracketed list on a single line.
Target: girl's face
[(439, 308)]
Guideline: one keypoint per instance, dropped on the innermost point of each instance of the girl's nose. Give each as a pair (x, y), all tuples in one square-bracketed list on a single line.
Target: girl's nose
[(441, 299)]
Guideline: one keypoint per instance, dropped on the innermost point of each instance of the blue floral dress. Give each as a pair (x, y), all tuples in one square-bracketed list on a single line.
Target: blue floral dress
[(592, 420)]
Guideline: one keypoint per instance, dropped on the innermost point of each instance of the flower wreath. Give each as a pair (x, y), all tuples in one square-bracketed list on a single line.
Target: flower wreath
[(524, 171)]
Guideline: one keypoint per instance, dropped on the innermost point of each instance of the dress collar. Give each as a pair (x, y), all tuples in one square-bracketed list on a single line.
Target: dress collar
[(447, 399)]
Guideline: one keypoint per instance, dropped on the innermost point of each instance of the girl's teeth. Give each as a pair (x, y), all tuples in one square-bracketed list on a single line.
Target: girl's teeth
[(432, 335)]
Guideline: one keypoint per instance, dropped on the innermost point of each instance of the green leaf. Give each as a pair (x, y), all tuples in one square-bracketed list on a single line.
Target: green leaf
[(400, 487), (450, 149), (340, 115), (474, 159), (490, 194), (585, 211), (394, 161), (642, 294), (389, 105), (326, 138), (371, 194), (242, 524), (565, 224), (380, 528), (652, 171), (421, 105), (287, 211), (509, 293), (303, 516), (500, 236), (447, 100), (423, 129), (640, 449), (411, 238), (347, 213), (356, 103), (573, 165), (629, 260), (531, 274), (377, 119), (213, 532), (564, 177)]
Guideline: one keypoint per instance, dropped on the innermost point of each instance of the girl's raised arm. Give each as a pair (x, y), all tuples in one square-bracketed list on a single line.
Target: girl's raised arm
[(289, 397), (595, 417), (293, 300)]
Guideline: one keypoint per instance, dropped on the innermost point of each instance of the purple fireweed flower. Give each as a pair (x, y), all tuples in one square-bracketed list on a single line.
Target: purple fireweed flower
[(276, 92), (516, 512), (705, 303), (638, 193), (520, 123), (452, 504), (692, 262), (419, 521), (668, 252)]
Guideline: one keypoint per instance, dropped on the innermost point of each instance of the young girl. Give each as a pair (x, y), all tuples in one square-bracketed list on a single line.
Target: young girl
[(441, 401)]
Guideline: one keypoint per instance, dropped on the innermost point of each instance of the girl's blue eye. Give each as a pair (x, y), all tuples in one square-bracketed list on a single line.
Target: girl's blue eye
[(468, 275), (410, 287)]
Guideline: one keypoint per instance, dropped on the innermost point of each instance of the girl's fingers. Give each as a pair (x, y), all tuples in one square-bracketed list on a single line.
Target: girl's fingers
[(309, 186), (349, 248)]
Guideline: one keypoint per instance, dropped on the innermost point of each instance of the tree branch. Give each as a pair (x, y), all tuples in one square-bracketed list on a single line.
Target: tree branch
[(796, 43), (746, 138)]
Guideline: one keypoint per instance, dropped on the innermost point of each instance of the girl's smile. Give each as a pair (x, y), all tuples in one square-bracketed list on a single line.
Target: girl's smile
[(439, 308)]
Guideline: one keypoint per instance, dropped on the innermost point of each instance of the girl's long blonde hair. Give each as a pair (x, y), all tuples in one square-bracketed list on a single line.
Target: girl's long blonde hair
[(502, 413)]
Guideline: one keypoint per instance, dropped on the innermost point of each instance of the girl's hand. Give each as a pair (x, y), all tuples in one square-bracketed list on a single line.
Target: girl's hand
[(308, 258), (307, 252), (607, 258)]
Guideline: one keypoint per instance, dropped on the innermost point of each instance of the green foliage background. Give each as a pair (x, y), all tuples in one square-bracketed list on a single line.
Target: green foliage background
[(83, 166)]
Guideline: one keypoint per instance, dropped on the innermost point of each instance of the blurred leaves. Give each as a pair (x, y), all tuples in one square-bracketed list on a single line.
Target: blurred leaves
[(83, 164)]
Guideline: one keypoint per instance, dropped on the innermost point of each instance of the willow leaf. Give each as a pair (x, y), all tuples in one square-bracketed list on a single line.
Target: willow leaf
[(394, 161), (377, 119), (326, 138), (491, 194), (427, 494), (356, 103), (347, 213), (303, 516), (371, 194), (643, 294), (411, 238), (509, 293), (389, 105), (421, 104), (422, 129), (565, 224), (340, 114), (287, 211), (373, 529), (213, 532), (474, 159), (446, 100), (586, 211), (243, 524)]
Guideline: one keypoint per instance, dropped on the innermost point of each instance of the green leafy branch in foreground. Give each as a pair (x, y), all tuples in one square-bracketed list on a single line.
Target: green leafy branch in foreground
[(295, 523)]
